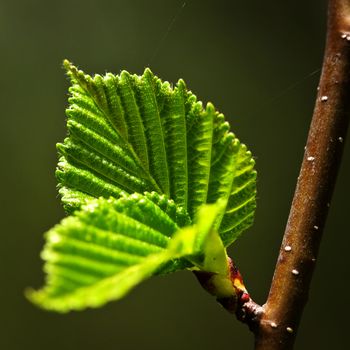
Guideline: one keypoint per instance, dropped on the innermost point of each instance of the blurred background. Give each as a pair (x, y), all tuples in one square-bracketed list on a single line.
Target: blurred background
[(258, 62)]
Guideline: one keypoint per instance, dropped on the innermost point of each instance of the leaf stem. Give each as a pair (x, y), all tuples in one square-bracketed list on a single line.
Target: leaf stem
[(289, 289)]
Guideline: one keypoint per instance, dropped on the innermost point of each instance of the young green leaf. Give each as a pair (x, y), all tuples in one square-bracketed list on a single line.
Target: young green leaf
[(132, 133), (155, 183), (111, 245)]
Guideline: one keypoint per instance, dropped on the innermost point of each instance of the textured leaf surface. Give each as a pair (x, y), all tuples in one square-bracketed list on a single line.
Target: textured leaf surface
[(130, 133), (111, 245), (155, 182)]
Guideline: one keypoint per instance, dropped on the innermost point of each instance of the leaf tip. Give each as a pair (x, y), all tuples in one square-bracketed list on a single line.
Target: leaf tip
[(67, 64), (124, 75), (148, 72), (76, 75), (33, 296), (181, 85), (69, 67), (210, 108), (61, 148), (41, 299)]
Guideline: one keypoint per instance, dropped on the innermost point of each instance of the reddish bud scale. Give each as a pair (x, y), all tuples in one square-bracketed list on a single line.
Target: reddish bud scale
[(238, 284), (239, 296)]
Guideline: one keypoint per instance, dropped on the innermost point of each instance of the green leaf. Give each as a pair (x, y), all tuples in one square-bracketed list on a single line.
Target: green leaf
[(110, 246), (130, 133), (155, 183)]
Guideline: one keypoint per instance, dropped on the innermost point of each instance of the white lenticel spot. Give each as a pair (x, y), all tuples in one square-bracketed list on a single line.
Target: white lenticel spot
[(310, 158), (273, 324), (295, 272), (289, 329), (324, 98), (287, 248)]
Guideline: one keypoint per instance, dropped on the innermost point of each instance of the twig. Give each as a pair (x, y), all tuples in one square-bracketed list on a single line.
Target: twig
[(289, 290), (237, 301), (275, 324)]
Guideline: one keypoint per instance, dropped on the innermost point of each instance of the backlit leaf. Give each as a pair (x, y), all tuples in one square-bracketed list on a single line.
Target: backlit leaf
[(154, 183), (111, 245)]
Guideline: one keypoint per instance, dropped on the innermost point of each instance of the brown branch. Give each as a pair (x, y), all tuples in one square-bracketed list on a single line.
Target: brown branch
[(275, 324), (289, 290)]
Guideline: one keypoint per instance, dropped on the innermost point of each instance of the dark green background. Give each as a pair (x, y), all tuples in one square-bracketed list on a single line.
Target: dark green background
[(252, 59)]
